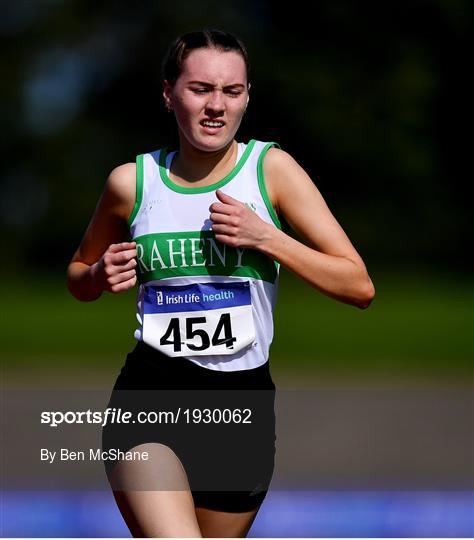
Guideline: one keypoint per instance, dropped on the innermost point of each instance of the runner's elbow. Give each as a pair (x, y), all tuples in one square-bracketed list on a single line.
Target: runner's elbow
[(366, 294)]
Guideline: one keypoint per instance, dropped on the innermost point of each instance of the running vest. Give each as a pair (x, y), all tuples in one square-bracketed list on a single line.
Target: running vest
[(199, 298)]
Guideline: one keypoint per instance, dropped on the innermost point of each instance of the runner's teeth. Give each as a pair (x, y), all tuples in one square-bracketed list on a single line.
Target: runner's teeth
[(212, 124)]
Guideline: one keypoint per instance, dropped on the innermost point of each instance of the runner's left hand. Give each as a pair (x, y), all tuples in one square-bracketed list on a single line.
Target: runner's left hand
[(235, 224)]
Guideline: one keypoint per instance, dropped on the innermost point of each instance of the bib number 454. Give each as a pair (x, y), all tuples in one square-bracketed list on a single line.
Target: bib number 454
[(222, 334)]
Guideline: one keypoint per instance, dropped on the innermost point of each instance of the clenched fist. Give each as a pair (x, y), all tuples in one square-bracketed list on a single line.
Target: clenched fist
[(235, 224), (115, 270)]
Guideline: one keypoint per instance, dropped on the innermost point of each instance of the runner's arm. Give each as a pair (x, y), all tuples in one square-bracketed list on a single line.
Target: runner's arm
[(104, 261), (329, 262)]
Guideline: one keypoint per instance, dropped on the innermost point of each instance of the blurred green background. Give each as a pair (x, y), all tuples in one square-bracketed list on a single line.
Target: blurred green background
[(367, 96), (418, 328)]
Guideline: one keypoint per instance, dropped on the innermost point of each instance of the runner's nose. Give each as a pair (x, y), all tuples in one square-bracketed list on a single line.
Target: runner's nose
[(216, 102)]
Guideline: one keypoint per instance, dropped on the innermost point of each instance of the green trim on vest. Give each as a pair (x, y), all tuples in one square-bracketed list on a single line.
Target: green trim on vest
[(203, 189), (198, 253), (139, 189), (261, 184)]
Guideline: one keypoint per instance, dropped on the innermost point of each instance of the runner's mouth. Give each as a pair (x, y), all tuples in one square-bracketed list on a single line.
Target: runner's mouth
[(213, 124)]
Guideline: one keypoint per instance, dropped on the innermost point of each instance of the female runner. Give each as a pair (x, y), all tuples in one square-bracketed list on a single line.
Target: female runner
[(206, 247)]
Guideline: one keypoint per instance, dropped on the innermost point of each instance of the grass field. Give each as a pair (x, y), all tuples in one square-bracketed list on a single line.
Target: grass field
[(417, 324)]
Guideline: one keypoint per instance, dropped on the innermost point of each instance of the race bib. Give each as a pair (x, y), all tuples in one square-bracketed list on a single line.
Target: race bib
[(198, 319)]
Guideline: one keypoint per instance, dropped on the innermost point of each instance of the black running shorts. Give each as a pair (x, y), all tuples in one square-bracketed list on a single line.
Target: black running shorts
[(225, 433)]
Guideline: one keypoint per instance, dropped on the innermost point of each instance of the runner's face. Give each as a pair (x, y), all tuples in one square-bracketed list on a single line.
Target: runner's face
[(209, 98)]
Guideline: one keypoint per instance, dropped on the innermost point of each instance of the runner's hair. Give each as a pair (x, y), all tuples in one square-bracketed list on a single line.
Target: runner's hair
[(207, 38)]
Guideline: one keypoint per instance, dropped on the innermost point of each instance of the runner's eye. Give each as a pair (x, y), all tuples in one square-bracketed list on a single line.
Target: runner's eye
[(234, 93)]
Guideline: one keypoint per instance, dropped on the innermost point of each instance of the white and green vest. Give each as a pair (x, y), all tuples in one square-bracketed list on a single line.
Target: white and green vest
[(199, 298)]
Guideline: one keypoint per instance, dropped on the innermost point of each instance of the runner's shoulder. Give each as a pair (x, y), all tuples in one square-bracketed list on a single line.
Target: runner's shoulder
[(278, 156), (279, 169), (277, 161), (121, 182)]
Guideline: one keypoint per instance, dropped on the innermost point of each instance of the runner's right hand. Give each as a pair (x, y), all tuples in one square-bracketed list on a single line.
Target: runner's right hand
[(115, 270)]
